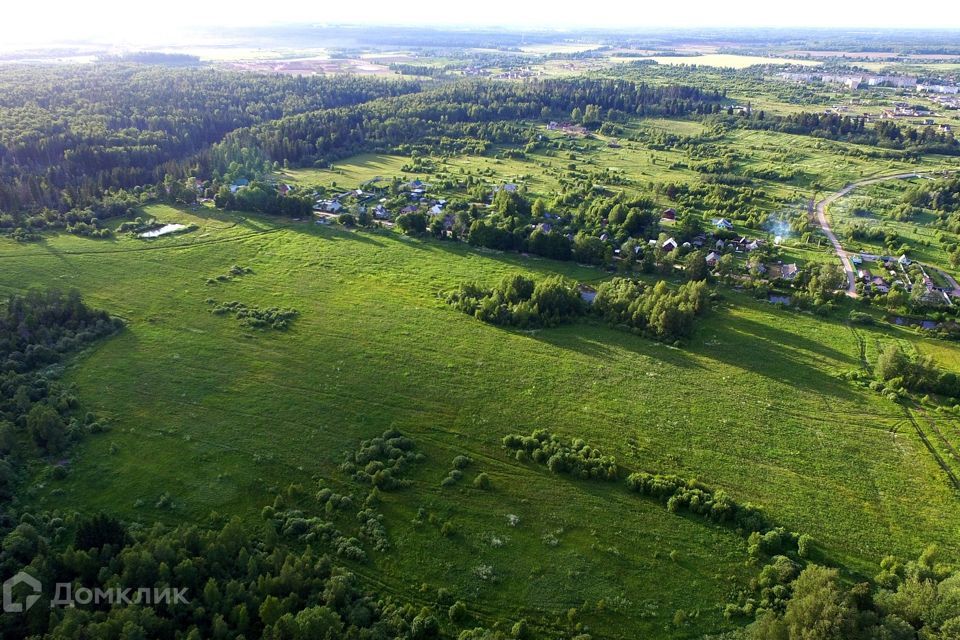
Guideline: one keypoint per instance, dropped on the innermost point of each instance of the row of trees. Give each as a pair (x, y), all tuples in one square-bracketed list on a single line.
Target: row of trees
[(574, 457)]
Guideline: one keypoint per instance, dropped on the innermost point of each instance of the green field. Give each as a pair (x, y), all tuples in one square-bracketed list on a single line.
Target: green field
[(221, 418)]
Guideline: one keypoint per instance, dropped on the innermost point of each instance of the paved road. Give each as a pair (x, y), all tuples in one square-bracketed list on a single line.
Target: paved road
[(821, 210)]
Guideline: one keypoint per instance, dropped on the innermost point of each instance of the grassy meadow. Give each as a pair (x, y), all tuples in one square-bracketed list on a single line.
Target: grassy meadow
[(211, 417)]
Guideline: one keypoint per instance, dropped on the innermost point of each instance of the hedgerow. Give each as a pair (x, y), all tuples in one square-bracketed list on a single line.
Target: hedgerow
[(574, 458), (680, 494)]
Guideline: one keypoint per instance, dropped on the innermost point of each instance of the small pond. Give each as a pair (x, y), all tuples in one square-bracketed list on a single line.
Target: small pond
[(164, 230)]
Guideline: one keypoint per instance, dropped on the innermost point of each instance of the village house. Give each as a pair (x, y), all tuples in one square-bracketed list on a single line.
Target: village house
[(723, 223), (712, 258), (669, 214), (669, 245), (789, 271), (328, 206)]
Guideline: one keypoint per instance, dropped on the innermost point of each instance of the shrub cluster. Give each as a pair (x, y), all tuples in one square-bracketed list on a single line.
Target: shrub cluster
[(681, 494), (257, 317), (770, 590), (575, 458), (236, 271), (380, 461)]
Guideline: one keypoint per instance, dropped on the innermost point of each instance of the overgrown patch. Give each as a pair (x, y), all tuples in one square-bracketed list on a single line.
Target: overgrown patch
[(257, 317)]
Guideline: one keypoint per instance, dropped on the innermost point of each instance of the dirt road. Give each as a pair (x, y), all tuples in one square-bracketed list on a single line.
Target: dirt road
[(821, 211)]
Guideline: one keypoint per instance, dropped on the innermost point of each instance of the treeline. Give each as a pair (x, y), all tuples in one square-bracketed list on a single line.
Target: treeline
[(68, 134), (37, 328), (237, 583), (83, 221), (463, 111), (884, 133), (918, 599), (658, 311), (517, 301), (681, 494), (38, 415)]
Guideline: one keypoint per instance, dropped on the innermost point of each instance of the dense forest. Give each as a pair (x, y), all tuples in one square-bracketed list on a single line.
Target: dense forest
[(68, 134), (468, 115)]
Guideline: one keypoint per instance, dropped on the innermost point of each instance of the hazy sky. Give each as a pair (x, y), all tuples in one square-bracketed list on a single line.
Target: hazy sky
[(39, 21)]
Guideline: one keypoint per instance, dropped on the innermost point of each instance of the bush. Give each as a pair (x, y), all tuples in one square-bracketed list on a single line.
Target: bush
[(457, 612), (257, 317), (482, 481), (858, 317)]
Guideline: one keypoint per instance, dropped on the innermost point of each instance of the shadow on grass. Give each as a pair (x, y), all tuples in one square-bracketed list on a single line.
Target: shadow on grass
[(779, 355), (599, 341)]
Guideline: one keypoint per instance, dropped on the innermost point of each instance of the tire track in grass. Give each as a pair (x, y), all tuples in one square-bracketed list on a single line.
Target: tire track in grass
[(936, 456), (946, 443), (861, 348), (951, 422)]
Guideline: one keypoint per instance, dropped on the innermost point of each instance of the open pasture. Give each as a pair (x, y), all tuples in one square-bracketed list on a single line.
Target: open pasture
[(219, 417)]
